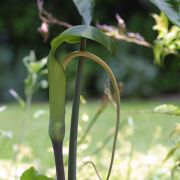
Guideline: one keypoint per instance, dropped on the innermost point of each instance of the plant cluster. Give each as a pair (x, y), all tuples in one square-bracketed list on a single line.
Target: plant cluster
[(167, 43)]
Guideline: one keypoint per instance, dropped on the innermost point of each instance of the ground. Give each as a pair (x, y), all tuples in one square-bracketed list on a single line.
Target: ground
[(143, 142)]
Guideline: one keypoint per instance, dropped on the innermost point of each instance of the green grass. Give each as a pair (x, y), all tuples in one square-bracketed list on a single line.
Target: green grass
[(147, 126)]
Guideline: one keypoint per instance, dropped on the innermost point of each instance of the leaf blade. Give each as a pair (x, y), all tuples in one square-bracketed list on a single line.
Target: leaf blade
[(74, 34), (85, 9), (172, 152), (32, 174), (170, 8), (167, 109)]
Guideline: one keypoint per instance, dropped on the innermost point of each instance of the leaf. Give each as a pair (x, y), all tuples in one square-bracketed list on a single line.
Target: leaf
[(6, 134), (74, 35), (172, 151), (32, 174), (161, 24), (167, 41), (32, 65), (176, 130), (167, 109), (17, 97), (2, 108), (85, 9), (171, 8)]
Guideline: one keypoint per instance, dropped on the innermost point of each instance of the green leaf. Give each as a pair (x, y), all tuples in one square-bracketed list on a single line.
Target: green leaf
[(171, 8), (6, 134), (32, 65), (172, 151), (17, 97), (85, 9), (176, 130), (74, 35), (32, 174), (2, 108), (161, 24), (168, 39), (167, 109)]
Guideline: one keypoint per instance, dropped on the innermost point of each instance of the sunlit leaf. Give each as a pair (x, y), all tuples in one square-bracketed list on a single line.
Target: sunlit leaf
[(32, 174), (171, 8), (168, 39), (6, 134), (85, 8), (161, 24), (39, 113), (167, 109), (176, 130), (172, 151), (2, 108), (32, 65), (17, 97)]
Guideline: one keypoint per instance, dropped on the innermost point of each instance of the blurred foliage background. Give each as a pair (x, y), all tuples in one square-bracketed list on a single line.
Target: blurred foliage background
[(133, 65)]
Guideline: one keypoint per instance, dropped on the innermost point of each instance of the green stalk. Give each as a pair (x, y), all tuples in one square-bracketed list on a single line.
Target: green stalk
[(99, 61), (74, 117)]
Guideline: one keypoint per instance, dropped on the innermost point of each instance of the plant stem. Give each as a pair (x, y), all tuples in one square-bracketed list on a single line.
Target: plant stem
[(74, 117), (22, 130), (58, 156), (98, 60), (130, 162)]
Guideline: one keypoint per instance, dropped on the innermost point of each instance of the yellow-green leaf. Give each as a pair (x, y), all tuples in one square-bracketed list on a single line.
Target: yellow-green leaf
[(32, 174), (170, 8), (167, 109)]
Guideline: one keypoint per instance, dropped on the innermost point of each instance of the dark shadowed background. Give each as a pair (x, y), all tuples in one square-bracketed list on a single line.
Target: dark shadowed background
[(133, 65)]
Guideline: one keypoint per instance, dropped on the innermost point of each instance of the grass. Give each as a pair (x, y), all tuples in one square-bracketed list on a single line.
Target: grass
[(150, 129)]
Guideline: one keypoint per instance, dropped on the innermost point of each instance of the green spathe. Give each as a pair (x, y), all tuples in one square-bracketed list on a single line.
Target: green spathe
[(57, 94)]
